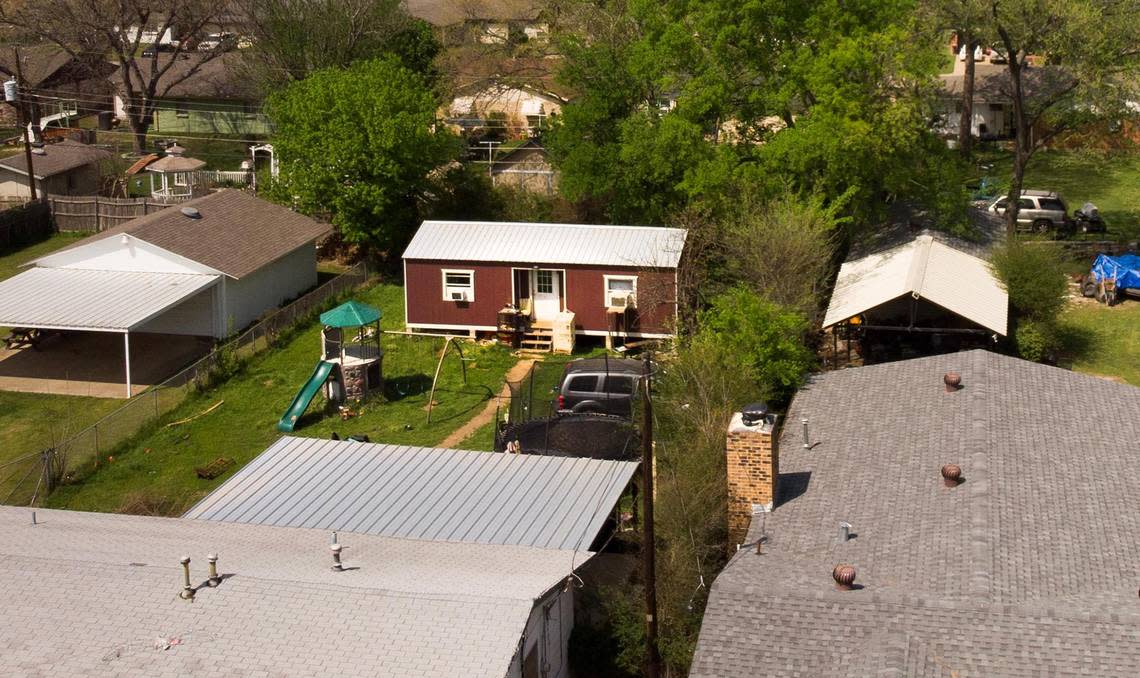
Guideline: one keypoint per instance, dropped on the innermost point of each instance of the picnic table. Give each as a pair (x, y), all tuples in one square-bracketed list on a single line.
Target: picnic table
[(26, 337)]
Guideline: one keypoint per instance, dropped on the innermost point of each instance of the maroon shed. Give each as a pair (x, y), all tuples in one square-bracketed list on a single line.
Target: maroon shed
[(617, 280)]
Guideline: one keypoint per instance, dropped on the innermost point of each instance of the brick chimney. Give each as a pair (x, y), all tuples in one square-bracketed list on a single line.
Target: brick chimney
[(753, 463)]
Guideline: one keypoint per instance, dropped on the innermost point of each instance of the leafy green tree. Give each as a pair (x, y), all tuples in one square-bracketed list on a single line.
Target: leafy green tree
[(760, 338), (360, 144), (1091, 70), (1033, 277), (293, 38)]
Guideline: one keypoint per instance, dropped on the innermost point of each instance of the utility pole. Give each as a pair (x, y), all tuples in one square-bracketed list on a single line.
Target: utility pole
[(22, 116), (648, 544)]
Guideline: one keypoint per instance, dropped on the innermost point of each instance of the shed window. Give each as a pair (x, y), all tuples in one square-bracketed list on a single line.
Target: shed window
[(458, 285), (621, 291), (544, 282)]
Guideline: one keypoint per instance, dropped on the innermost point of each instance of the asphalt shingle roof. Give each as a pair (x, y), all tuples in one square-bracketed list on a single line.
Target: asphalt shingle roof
[(97, 594), (236, 233), (57, 159), (1028, 568)]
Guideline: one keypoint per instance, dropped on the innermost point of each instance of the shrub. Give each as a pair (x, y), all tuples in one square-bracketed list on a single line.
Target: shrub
[(1036, 341), (1033, 275)]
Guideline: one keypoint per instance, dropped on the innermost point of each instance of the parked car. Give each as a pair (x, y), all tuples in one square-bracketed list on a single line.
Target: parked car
[(1040, 212), (599, 386), (997, 55)]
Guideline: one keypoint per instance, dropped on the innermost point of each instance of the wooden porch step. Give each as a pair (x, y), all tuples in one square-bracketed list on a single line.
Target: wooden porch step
[(539, 343)]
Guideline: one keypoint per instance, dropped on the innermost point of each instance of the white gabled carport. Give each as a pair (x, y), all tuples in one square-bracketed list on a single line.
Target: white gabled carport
[(924, 269), (94, 300)]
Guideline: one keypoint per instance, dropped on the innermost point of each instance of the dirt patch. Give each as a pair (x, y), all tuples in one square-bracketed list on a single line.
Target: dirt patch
[(488, 413)]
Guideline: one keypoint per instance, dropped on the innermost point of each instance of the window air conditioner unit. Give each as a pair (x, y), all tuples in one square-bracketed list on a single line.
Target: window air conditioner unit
[(458, 296), (621, 301)]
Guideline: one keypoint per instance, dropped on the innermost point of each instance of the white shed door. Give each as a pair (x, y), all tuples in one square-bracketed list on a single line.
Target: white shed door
[(547, 294)]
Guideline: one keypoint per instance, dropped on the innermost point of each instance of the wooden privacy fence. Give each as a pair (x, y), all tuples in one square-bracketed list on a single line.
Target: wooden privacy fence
[(25, 223), (91, 214)]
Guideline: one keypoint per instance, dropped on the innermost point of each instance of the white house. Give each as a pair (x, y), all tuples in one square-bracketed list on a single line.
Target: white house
[(522, 110), (992, 107), (206, 268)]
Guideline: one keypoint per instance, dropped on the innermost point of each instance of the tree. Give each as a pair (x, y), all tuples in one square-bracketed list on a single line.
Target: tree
[(119, 30), (1033, 277), (968, 19), (1091, 62), (293, 38), (360, 143), (760, 338)]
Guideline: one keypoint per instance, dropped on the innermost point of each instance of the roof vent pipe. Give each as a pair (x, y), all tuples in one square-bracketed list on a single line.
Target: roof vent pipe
[(191, 212), (807, 444), (844, 531), (214, 579), (187, 589), (337, 566), (951, 475)]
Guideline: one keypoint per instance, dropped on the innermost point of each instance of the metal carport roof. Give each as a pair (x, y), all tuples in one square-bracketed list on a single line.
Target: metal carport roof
[(422, 493), (89, 300), (927, 269)]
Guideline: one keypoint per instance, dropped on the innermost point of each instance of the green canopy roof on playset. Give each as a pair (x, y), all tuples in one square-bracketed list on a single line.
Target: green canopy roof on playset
[(350, 314)]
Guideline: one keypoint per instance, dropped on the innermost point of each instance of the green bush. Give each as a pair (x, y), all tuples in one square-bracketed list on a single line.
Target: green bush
[(1034, 277), (1036, 341), (762, 338)]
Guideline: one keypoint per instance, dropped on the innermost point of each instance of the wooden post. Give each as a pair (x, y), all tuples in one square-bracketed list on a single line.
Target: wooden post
[(22, 111), (96, 214)]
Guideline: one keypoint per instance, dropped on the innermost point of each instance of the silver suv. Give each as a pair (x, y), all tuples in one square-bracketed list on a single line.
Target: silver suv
[(1040, 211)]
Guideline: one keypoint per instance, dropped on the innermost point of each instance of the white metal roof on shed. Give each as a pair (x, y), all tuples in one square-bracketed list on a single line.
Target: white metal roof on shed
[(494, 241), (929, 269), (80, 299), (422, 493)]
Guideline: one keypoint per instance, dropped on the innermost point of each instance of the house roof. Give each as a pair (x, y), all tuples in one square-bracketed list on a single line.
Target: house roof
[(449, 12), (79, 299), (38, 62), (422, 493), (97, 594), (495, 241), (928, 269), (1029, 566), (191, 76), (57, 158), (236, 233)]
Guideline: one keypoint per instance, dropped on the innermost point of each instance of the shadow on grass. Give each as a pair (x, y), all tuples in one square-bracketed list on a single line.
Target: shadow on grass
[(399, 388), (1075, 343)]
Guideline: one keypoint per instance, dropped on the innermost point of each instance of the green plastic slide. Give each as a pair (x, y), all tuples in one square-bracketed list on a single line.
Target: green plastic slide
[(305, 396)]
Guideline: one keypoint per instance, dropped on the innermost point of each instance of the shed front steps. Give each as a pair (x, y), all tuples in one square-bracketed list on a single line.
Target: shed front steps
[(538, 339)]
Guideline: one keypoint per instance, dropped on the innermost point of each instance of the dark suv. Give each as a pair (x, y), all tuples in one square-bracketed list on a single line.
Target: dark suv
[(599, 386)]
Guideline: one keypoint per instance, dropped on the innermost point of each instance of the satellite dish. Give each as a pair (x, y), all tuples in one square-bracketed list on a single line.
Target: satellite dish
[(191, 212)]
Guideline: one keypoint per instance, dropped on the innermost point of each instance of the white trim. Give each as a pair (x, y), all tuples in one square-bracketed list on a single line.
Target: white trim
[(448, 289), (458, 328), (405, 293), (606, 288), (492, 328)]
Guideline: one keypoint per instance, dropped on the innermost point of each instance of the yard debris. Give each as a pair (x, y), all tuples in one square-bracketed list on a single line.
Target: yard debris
[(214, 468), (203, 413), (347, 412)]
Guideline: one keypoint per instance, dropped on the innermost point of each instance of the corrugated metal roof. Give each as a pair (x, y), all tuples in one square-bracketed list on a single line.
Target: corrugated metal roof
[(494, 241), (930, 269), (78, 299), (422, 493)]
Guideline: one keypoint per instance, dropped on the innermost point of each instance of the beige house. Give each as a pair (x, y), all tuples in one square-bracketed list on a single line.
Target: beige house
[(64, 168), (522, 111)]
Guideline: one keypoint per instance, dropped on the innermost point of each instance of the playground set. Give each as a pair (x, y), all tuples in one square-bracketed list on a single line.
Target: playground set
[(350, 367)]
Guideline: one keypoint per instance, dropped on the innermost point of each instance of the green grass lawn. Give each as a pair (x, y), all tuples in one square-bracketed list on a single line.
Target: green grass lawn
[(1104, 341), (156, 471), (12, 258), (32, 422), (1111, 181)]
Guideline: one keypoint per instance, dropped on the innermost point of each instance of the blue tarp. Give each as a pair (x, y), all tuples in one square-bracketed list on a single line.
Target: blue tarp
[(1125, 269)]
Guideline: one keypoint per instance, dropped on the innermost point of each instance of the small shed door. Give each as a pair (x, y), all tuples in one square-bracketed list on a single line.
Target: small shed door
[(547, 294)]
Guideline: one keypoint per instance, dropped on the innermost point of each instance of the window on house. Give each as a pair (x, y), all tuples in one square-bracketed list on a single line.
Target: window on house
[(181, 110), (621, 291), (544, 282), (458, 285), (249, 110)]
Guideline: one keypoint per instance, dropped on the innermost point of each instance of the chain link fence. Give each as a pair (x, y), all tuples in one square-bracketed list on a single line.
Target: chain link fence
[(29, 479)]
